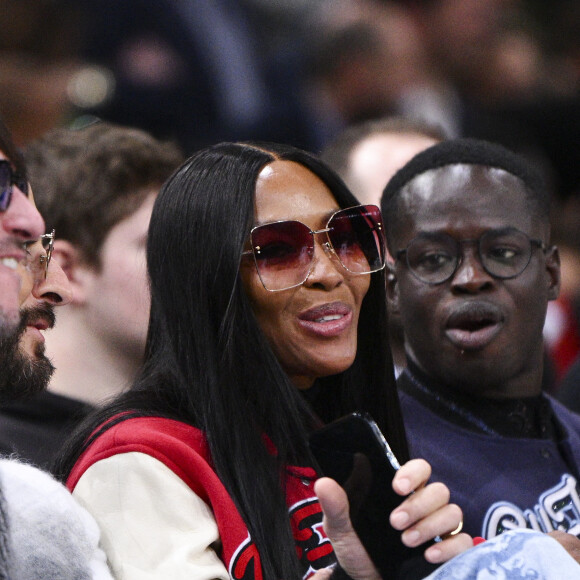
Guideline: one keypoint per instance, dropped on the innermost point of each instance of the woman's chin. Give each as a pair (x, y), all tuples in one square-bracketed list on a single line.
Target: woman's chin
[(327, 368)]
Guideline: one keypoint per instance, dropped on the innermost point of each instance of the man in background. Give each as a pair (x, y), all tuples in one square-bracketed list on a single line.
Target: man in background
[(366, 155), (26, 370), (43, 531), (20, 223), (96, 187), (468, 228)]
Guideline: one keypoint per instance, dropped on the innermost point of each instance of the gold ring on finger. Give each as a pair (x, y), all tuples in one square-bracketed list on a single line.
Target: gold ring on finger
[(455, 531)]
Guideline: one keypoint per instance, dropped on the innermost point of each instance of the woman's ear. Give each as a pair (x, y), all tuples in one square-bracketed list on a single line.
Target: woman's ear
[(69, 259), (553, 272)]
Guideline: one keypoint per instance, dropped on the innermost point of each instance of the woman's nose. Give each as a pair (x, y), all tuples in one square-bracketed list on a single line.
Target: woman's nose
[(326, 270)]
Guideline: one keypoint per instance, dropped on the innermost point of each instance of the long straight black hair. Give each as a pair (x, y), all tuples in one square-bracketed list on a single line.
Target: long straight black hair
[(207, 361)]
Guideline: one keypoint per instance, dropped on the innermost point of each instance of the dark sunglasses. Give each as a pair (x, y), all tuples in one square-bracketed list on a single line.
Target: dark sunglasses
[(284, 251), (9, 178)]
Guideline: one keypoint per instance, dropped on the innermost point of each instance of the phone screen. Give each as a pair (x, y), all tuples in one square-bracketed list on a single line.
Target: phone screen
[(354, 452)]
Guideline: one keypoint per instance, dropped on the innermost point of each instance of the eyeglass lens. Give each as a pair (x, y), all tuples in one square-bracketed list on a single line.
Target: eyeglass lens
[(8, 178), (284, 251), (356, 237), (435, 258)]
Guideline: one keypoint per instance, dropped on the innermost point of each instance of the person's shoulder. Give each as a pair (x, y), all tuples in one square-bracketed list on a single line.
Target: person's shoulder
[(153, 430), (21, 475), (563, 413), (51, 535), (34, 490), (411, 406), (170, 441), (35, 499)]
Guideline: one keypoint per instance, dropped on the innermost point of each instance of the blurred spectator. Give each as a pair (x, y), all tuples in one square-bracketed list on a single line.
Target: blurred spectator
[(562, 329), (496, 82), (559, 33), (196, 72), (366, 155), (300, 72), (39, 49), (569, 392), (363, 57), (476, 68)]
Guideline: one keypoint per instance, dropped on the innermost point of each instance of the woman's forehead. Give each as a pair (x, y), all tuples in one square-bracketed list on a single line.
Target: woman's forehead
[(288, 190)]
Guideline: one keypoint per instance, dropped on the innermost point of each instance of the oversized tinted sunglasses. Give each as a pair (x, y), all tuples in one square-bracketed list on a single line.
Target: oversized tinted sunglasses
[(284, 251), (503, 253), (9, 178)]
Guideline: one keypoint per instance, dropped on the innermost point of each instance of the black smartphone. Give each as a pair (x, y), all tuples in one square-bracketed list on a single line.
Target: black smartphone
[(353, 451)]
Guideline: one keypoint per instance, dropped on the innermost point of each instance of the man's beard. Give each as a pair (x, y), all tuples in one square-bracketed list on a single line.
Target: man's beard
[(20, 374), (8, 326)]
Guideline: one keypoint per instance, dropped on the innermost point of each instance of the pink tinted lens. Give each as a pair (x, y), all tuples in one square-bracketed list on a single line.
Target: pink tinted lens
[(357, 237), (283, 253)]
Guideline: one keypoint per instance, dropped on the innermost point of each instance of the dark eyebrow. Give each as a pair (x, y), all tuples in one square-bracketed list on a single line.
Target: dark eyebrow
[(505, 230), (498, 231), (432, 235)]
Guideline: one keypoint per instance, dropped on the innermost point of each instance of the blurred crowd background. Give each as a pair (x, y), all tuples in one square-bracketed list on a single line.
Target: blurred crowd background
[(300, 71)]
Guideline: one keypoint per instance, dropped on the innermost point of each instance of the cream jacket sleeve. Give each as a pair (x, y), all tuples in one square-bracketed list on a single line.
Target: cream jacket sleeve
[(153, 526)]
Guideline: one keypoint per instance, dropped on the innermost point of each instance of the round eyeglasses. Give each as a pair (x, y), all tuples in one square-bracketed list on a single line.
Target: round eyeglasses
[(434, 258), (37, 260)]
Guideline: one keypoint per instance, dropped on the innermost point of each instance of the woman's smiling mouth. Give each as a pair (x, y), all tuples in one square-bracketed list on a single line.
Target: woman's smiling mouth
[(327, 319)]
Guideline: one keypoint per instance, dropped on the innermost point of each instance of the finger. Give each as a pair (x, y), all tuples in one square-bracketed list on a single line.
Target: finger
[(334, 503), (437, 524), (448, 548), (348, 549), (412, 475), (570, 542), (419, 505), (323, 574)]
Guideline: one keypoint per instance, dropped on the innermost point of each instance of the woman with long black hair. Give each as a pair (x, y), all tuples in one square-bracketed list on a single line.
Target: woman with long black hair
[(267, 320)]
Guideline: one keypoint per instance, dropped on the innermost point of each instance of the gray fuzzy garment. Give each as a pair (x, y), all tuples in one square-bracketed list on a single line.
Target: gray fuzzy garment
[(50, 537)]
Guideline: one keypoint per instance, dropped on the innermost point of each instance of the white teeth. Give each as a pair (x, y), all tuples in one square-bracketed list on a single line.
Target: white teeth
[(329, 318), (11, 263)]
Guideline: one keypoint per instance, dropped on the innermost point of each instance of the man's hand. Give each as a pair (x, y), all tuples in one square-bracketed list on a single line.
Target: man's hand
[(421, 517), (427, 513), (569, 542)]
